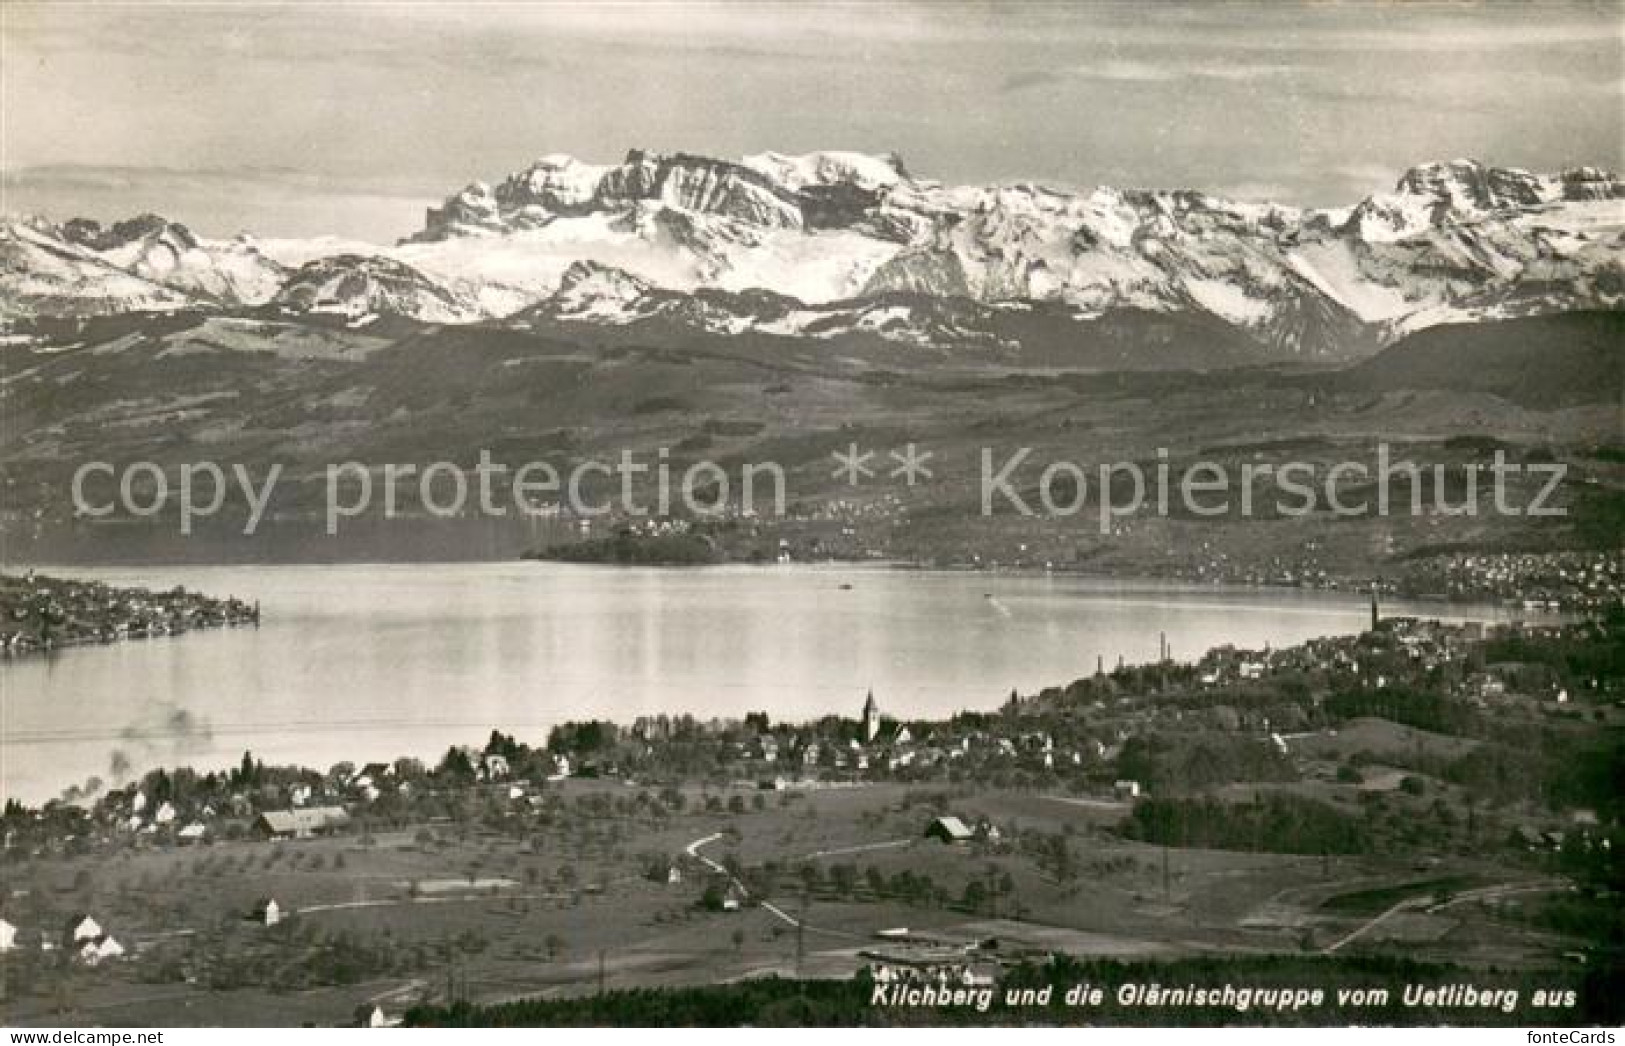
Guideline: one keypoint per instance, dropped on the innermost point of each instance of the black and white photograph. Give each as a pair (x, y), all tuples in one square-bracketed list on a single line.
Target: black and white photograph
[(736, 514)]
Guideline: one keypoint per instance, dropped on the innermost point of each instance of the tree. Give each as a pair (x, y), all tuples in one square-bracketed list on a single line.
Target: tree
[(738, 939), (456, 765), (555, 946)]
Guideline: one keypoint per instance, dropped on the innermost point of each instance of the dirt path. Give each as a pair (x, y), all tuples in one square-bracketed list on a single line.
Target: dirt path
[(1485, 893)]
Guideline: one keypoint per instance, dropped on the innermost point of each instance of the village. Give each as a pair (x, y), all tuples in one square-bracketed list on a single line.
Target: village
[(1420, 788), (40, 614)]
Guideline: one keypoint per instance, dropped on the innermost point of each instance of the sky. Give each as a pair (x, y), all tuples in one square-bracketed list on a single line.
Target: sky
[(294, 119)]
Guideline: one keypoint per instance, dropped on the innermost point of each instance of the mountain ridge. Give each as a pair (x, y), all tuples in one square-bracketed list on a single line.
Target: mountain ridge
[(835, 232)]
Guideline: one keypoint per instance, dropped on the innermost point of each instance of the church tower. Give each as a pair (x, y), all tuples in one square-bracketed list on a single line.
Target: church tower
[(871, 719)]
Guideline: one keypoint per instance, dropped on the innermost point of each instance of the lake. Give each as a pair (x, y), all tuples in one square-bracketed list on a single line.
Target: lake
[(369, 662)]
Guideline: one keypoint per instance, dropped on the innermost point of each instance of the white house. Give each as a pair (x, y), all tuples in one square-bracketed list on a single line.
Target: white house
[(83, 928), (195, 832), (371, 1015), (1127, 789), (267, 911), (165, 814), (8, 936)]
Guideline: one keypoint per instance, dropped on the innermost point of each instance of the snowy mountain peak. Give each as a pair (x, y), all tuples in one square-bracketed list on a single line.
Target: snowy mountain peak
[(833, 167), (360, 287), (805, 244), (589, 290), (149, 229), (1470, 187), (1459, 192)]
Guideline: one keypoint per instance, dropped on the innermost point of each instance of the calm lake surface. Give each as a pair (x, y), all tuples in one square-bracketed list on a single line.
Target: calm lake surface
[(370, 662)]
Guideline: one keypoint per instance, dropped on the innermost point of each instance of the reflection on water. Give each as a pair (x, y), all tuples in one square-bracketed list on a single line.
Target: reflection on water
[(364, 662)]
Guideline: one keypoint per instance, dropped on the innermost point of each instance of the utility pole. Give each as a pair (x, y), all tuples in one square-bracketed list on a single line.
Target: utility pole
[(801, 933)]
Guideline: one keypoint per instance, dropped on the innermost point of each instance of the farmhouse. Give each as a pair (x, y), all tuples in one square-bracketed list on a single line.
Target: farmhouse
[(81, 928), (949, 830), (302, 823), (86, 941), (94, 953)]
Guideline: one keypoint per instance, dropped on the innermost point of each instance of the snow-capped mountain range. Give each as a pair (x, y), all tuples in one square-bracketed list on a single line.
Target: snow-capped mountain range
[(838, 242)]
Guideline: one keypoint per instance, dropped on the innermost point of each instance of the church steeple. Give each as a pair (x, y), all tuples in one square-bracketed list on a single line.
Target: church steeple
[(871, 718)]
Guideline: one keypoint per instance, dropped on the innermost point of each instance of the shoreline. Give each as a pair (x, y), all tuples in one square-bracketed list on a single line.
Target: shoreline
[(997, 703), (45, 613), (1354, 586)]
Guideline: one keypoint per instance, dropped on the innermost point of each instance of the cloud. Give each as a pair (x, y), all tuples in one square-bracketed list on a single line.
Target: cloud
[(226, 201), (1256, 192), (1031, 78), (1149, 71), (1366, 178)]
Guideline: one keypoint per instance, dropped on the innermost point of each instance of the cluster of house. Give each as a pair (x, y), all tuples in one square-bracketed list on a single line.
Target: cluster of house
[(1393, 651), (40, 613), (1532, 580), (952, 973), (491, 769), (302, 808), (86, 942), (82, 939), (905, 958), (166, 817), (201, 824), (882, 745)]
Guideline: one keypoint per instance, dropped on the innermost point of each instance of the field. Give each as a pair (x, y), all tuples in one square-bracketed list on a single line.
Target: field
[(444, 911)]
